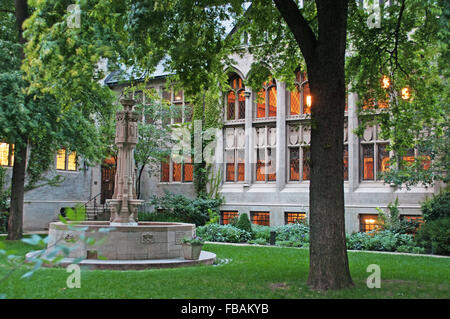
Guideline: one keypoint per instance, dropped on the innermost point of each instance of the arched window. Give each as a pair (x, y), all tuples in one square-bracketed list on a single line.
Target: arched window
[(236, 99), (266, 100), (300, 97)]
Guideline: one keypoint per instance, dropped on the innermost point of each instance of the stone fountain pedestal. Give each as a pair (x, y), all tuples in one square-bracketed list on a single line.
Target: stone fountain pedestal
[(124, 242)]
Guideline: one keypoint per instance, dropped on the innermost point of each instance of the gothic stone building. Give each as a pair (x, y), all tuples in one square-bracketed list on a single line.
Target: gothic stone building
[(262, 153)]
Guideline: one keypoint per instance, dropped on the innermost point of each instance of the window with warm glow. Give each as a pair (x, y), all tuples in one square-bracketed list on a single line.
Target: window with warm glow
[(227, 216), (234, 154), (368, 222), (416, 219), (300, 98), (265, 148), (374, 154), (260, 218), (188, 170), (176, 170), (299, 152), (266, 100), (6, 154), (165, 170), (293, 218), (176, 98), (235, 99), (66, 161)]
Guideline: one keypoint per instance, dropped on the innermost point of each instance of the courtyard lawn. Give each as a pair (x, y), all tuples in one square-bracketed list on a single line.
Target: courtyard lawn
[(241, 272)]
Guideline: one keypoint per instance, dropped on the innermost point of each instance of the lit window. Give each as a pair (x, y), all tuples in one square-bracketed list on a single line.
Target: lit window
[(292, 218), (228, 216), (265, 149), (235, 106), (6, 154), (181, 171), (260, 218), (300, 98), (66, 161), (165, 170), (235, 154), (266, 100), (374, 154), (367, 222)]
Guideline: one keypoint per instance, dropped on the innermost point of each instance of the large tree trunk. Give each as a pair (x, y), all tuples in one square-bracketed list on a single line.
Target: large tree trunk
[(325, 57), (15, 221)]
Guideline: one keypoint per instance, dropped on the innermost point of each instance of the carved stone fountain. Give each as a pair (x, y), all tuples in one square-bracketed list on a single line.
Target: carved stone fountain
[(124, 204), (124, 242)]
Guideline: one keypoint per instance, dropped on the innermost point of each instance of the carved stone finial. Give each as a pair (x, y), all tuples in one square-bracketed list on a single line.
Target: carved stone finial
[(127, 103)]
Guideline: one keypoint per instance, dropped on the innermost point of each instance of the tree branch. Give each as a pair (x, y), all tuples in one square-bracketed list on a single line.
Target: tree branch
[(303, 34), (7, 11)]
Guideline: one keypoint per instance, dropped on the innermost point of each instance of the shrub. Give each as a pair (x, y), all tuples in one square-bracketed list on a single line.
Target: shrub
[(385, 240), (261, 232), (393, 222), (177, 207), (223, 233), (437, 207), (298, 232), (244, 223), (434, 236)]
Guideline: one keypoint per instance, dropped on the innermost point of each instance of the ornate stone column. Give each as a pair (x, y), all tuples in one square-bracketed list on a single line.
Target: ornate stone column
[(124, 203)]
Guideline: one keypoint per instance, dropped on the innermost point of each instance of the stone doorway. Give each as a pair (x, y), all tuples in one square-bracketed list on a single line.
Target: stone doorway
[(108, 178)]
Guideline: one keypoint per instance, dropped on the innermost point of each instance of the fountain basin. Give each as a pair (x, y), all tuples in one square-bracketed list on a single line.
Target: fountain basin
[(146, 241)]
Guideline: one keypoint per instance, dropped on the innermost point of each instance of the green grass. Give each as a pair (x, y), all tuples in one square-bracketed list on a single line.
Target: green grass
[(252, 272)]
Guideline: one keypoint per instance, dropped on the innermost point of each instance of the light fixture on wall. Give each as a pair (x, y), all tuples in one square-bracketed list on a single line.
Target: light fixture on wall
[(385, 82), (308, 101), (406, 93)]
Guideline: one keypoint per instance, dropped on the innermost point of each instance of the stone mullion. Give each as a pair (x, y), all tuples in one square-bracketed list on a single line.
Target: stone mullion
[(281, 135)]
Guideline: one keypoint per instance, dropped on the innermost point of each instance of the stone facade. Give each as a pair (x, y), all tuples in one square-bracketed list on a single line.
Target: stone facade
[(277, 197)]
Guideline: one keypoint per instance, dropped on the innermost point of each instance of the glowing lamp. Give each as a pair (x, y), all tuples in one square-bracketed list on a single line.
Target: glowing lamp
[(385, 82), (406, 94), (308, 100)]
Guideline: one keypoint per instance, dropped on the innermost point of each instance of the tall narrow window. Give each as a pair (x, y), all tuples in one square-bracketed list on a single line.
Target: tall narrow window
[(234, 154), (61, 159), (188, 170), (266, 100), (66, 161), (299, 136), (368, 166), (235, 99), (374, 154), (383, 158), (176, 172), (300, 97), (272, 101), (265, 149), (6, 154), (165, 170), (261, 104)]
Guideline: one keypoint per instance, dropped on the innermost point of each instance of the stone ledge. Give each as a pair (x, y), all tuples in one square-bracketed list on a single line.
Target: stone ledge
[(206, 258)]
